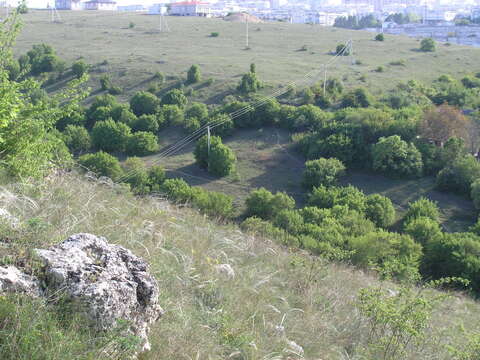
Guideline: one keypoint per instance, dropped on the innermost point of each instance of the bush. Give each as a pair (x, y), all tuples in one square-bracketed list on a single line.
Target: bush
[(135, 174), (110, 136), (322, 172), (105, 82), (391, 253), (342, 49), (289, 220), (172, 114), (175, 97), (147, 123), (427, 45), (144, 102), (102, 164), (177, 190), (191, 125), (422, 208), (423, 229), (264, 204), (475, 193), (159, 77), (77, 139), (115, 90), (131, 25), (197, 110), (214, 34), (249, 83), (221, 159), (223, 125), (454, 255), (393, 156), (213, 204), (79, 68), (156, 177), (459, 176), (349, 196), (142, 143), (380, 37), (193, 75), (380, 210), (358, 98)]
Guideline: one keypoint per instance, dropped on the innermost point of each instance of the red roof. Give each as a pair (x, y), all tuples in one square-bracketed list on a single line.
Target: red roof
[(189, 3)]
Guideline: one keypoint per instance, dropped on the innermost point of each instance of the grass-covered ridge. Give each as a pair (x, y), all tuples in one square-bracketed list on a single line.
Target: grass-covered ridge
[(277, 297)]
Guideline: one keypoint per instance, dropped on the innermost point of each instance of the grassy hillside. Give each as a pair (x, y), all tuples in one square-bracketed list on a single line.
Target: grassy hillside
[(135, 54), (275, 297)]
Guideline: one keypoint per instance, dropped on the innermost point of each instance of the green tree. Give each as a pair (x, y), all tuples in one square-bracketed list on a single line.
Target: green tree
[(141, 143), (77, 139), (475, 193), (144, 102), (249, 83), (156, 177), (147, 123), (175, 97), (393, 156), (194, 75), (342, 49), (79, 68), (322, 172), (264, 204), (423, 229), (290, 220), (380, 210), (459, 176), (136, 174), (110, 136), (380, 37), (427, 45), (197, 110), (357, 98), (102, 164), (423, 207), (219, 160)]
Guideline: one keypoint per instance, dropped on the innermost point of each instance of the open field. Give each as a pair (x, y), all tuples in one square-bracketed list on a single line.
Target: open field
[(135, 54), (265, 159)]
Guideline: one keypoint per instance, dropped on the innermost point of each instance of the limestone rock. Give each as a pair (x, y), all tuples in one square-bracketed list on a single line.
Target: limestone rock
[(15, 281), (107, 281)]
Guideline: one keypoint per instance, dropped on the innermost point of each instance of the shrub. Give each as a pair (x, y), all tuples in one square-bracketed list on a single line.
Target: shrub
[(144, 102), (454, 255), (142, 143), (380, 210), (131, 25), (102, 164), (342, 49), (249, 83), (223, 125), (475, 193), (191, 125), (110, 136), (156, 177), (427, 45), (358, 98), (159, 77), (77, 139), (79, 68), (177, 190), (175, 97), (393, 156), (105, 82), (349, 196), (289, 220), (193, 75), (322, 172), (380, 69), (221, 159), (197, 110), (391, 253), (146, 123), (264, 204), (380, 37), (459, 176), (115, 90), (213, 204), (135, 174), (172, 114), (422, 229), (214, 34), (422, 208)]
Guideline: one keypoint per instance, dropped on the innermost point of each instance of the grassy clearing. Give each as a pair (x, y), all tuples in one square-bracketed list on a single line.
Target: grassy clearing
[(135, 54), (210, 315)]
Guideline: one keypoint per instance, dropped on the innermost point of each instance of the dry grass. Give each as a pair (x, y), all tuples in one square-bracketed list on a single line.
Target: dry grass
[(274, 299)]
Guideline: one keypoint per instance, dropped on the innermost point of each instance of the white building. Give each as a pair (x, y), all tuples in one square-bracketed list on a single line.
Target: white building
[(100, 5), (158, 9), (131, 8), (69, 4), (190, 8)]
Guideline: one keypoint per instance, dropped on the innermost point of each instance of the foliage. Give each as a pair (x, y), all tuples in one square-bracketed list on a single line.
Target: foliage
[(427, 45), (342, 50), (329, 197), (263, 204), (135, 174), (193, 75), (110, 136), (224, 125), (219, 160), (79, 68), (144, 102), (147, 123), (380, 37), (423, 229), (423, 207), (459, 176), (444, 122), (394, 157), (77, 139), (380, 210), (357, 98), (214, 34), (249, 83), (102, 164), (141, 143), (475, 193), (175, 97), (198, 111), (322, 172)]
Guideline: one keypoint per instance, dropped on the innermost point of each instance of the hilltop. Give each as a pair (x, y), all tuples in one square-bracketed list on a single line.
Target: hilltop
[(133, 55)]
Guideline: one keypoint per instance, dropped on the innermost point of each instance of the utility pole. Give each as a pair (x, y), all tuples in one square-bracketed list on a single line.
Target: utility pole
[(246, 25), (208, 140)]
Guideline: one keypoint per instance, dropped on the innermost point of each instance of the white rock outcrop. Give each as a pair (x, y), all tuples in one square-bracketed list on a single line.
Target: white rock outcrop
[(108, 281), (14, 281)]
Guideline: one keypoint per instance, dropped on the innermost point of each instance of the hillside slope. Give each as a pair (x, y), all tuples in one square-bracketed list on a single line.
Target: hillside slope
[(282, 52), (226, 294)]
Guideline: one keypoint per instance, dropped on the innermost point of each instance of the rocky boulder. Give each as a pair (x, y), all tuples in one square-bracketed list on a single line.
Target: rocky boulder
[(107, 281), (14, 281)]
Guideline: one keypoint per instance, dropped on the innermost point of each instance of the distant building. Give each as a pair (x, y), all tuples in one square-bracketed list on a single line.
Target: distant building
[(69, 4), (131, 8), (190, 8), (100, 5), (158, 9)]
